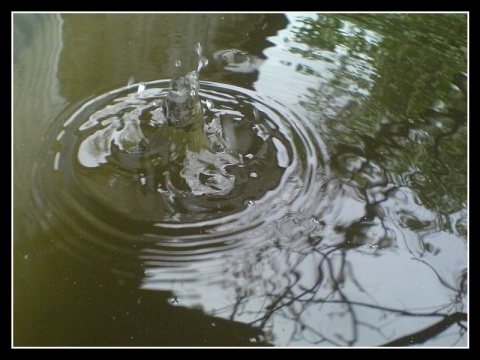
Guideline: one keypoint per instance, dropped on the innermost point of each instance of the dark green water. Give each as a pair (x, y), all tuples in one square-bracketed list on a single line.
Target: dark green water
[(335, 214)]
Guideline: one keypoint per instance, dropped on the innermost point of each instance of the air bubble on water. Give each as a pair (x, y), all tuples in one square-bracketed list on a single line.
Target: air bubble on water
[(178, 63), (141, 87), (249, 202), (254, 175), (249, 156), (25, 257), (143, 179)]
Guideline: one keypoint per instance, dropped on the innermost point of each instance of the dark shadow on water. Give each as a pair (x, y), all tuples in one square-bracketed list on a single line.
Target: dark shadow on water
[(61, 303)]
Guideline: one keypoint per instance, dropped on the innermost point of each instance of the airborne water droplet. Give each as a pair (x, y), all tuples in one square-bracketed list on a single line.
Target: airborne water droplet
[(178, 63), (203, 61), (209, 104), (199, 48)]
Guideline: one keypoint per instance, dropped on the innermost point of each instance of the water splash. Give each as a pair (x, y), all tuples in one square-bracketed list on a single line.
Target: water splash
[(179, 204), (182, 105)]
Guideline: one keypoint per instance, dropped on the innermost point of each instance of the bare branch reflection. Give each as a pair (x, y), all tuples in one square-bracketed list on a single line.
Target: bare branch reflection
[(397, 196)]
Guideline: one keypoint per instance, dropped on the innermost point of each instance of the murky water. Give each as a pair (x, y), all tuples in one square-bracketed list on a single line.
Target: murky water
[(321, 201)]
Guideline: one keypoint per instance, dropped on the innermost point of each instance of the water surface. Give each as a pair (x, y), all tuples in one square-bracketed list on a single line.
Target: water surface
[(330, 209)]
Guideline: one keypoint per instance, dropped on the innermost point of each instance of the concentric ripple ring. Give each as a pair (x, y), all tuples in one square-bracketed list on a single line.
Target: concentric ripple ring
[(114, 189)]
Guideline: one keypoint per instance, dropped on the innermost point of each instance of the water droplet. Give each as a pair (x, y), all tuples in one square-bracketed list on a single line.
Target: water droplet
[(203, 61), (249, 156), (249, 202), (209, 104), (178, 63), (253, 174), (141, 87), (199, 48)]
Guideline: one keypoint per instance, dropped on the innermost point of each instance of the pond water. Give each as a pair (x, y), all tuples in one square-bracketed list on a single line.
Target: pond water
[(321, 202)]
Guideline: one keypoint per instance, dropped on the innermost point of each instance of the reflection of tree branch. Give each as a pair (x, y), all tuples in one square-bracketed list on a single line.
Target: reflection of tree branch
[(367, 155), (428, 333), (289, 297), (275, 305), (236, 305), (443, 282)]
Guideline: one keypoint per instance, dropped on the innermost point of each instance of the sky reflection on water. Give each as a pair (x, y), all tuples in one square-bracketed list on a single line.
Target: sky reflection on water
[(380, 250)]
